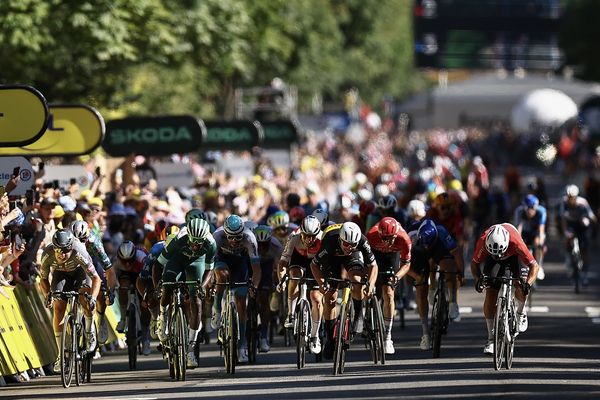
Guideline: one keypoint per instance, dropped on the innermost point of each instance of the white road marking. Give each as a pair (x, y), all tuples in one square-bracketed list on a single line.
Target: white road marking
[(466, 310), (593, 312), (539, 309)]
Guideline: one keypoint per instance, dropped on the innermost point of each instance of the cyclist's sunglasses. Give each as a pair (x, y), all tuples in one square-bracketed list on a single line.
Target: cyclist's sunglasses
[(234, 238), (280, 229), (195, 241), (61, 250), (347, 245), (388, 238)]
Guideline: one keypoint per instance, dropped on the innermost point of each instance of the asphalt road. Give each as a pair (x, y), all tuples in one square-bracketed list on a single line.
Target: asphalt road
[(558, 357)]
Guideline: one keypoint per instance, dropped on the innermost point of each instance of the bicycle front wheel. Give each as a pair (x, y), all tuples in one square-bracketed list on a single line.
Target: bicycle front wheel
[(67, 355), (131, 337), (510, 342), (252, 330), (302, 330), (180, 333), (339, 339), (379, 329), (499, 332), (233, 337), (437, 322), (79, 349)]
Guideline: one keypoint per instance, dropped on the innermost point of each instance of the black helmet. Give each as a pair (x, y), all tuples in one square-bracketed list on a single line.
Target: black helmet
[(63, 239)]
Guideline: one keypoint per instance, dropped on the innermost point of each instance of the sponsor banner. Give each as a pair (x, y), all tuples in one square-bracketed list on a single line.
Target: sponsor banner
[(64, 173), (279, 134), (20, 165), (23, 115), (232, 135), (153, 136), (72, 130), (172, 174)]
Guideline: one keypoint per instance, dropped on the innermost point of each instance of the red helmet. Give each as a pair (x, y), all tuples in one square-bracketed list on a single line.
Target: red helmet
[(366, 207), (388, 226), (297, 214)]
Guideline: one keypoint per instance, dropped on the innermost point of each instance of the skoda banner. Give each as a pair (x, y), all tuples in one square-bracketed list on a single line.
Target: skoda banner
[(154, 136), (19, 166), (23, 115), (279, 134), (232, 135), (72, 130)]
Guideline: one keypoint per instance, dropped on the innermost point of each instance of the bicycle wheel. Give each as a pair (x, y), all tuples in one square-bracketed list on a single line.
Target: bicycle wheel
[(252, 330), (370, 327), (180, 333), (233, 335), (79, 349), (576, 274), (510, 342), (437, 321), (338, 335), (499, 332), (67, 356), (302, 330), (379, 329), (346, 335), (131, 338)]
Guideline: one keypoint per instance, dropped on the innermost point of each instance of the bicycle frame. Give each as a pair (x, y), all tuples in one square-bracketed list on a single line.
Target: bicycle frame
[(302, 321), (576, 263), (439, 312), (133, 326), (229, 332)]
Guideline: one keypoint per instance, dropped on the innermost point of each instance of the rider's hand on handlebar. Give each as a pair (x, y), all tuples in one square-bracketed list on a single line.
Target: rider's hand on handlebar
[(280, 286), (525, 287), (49, 301), (92, 303), (252, 291), (479, 285), (324, 288), (369, 289)]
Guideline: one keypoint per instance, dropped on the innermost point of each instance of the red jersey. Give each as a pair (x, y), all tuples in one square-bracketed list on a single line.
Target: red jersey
[(516, 246), (453, 223), (402, 243)]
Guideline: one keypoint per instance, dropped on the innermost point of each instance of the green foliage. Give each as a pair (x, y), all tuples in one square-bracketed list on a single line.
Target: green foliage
[(159, 56)]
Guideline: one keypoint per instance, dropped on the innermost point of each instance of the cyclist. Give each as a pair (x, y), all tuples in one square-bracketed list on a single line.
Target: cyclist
[(387, 206), (576, 216), (269, 250), (500, 247), (130, 261), (344, 253), (323, 217), (416, 212), (279, 221), (72, 269), (95, 248), (365, 208), (391, 247), (530, 221), (447, 213), (432, 243), (186, 257), (236, 250), (300, 249), (297, 214)]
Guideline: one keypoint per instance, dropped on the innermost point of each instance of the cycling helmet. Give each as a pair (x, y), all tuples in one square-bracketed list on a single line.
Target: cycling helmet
[(80, 230), (297, 214), (572, 191), (263, 233), (388, 202), (531, 201), (388, 226), (416, 208), (427, 233), (197, 229), (310, 226), (63, 239), (233, 225), (126, 251), (366, 207), (497, 240), (278, 219), (211, 217), (350, 233), (194, 213), (321, 215)]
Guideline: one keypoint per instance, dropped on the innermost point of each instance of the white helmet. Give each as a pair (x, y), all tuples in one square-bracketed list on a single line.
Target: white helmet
[(350, 233), (496, 241), (572, 191), (81, 230), (126, 251), (310, 225), (416, 208)]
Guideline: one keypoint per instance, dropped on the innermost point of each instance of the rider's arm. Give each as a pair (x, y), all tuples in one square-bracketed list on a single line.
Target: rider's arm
[(286, 256), (44, 272), (479, 255)]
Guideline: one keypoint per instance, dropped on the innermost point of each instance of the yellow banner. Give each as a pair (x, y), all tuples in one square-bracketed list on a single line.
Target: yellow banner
[(72, 130), (23, 115)]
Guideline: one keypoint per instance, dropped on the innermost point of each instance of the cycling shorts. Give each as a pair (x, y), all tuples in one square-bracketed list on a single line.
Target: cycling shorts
[(238, 266), (70, 281), (175, 271)]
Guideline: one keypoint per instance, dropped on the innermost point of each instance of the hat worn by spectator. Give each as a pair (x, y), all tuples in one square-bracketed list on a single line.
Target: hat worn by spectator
[(67, 203), (48, 201), (59, 212), (86, 194), (95, 202), (117, 209)]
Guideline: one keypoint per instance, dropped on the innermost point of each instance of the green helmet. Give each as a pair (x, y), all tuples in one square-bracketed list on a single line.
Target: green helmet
[(279, 218), (197, 229), (263, 233)]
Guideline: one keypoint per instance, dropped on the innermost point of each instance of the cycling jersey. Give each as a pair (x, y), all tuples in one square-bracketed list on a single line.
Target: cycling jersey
[(516, 246), (273, 252), (155, 251), (247, 245), (574, 215), (453, 222), (401, 244), (530, 226), (79, 258), (95, 249), (331, 255), (295, 244), (134, 267), (444, 238), (179, 251), (399, 215)]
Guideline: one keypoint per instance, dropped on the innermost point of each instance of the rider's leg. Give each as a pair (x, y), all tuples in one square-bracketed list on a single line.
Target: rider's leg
[(316, 299), (388, 309), (241, 295), (293, 292), (194, 272), (489, 310), (221, 276)]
